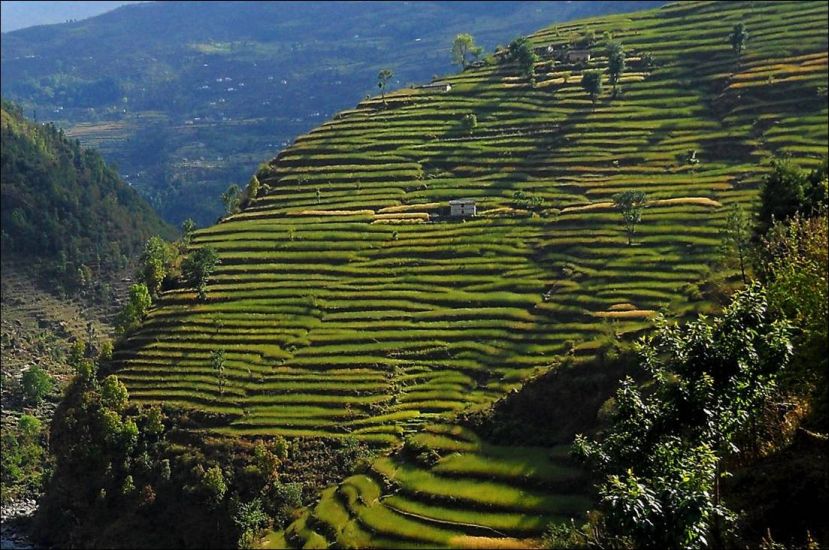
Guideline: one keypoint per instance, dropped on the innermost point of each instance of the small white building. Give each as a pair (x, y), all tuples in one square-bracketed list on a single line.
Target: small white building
[(440, 85), (462, 208), (578, 56)]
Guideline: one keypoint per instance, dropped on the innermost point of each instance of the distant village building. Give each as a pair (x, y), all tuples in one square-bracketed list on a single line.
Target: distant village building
[(440, 85), (578, 56), (462, 208)]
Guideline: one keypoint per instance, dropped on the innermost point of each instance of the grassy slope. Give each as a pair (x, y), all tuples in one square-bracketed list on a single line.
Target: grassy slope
[(336, 321)]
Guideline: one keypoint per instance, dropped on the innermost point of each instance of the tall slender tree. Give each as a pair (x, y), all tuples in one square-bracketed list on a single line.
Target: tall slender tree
[(738, 38), (615, 63), (383, 78), (630, 204)]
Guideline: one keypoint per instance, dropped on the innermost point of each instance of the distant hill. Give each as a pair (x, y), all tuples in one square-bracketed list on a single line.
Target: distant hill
[(187, 97), (21, 14), (63, 209)]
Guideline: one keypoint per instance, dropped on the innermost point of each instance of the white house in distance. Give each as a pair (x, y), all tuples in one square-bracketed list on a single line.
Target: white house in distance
[(578, 56), (441, 85), (462, 208)]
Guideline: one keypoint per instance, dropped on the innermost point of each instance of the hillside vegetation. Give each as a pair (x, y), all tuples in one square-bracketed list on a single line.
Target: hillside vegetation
[(348, 304), (188, 97), (64, 208), (70, 228)]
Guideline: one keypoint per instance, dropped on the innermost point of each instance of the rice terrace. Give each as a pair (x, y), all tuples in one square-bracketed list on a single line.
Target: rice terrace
[(349, 304), (337, 319)]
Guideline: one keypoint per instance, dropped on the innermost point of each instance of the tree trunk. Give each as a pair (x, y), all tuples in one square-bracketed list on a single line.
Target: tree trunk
[(742, 266)]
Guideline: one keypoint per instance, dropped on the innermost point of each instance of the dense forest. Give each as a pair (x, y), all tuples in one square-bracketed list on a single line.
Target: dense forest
[(63, 208)]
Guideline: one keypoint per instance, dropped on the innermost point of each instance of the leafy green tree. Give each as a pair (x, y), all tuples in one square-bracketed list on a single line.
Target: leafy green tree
[(591, 81), (521, 51), (232, 198), (383, 78), (736, 237), (217, 361), (22, 453), (794, 264), (266, 461), (251, 191), (128, 485), (155, 263), (105, 353), (464, 50), (630, 204), (615, 63), (470, 122), (36, 384), (114, 393), (286, 497), (154, 421), (789, 190), (77, 352), (135, 310), (188, 226), (214, 485), (198, 267), (784, 191), (738, 38), (249, 519), (661, 458)]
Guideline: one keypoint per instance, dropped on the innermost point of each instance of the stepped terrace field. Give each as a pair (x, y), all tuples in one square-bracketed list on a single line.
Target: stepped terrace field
[(348, 303), (449, 489)]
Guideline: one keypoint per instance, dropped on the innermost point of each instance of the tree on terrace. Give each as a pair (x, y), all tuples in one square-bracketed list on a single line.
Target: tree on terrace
[(630, 204), (737, 237), (615, 63), (738, 38), (591, 81), (383, 78), (232, 198), (464, 50), (217, 361), (198, 267)]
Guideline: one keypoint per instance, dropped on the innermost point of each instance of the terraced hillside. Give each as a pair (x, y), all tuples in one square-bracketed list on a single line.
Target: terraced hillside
[(348, 302)]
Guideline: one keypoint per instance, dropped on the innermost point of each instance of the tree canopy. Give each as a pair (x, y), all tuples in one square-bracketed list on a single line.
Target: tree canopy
[(198, 267), (64, 207), (591, 81), (661, 458), (615, 62), (738, 38), (464, 50)]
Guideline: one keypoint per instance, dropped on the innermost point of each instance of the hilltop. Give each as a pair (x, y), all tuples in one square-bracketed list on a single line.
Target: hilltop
[(188, 97), (350, 307)]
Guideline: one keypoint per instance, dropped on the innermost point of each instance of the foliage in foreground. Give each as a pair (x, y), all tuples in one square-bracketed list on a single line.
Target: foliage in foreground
[(661, 459)]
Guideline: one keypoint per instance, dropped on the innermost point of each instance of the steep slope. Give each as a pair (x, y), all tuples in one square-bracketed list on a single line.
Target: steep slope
[(63, 206), (189, 96), (334, 302), (349, 304), (71, 229)]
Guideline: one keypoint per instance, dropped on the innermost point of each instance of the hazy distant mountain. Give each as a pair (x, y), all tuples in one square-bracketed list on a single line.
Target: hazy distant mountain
[(19, 15)]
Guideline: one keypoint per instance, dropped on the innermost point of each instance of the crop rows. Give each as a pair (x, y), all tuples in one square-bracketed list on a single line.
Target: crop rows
[(348, 302)]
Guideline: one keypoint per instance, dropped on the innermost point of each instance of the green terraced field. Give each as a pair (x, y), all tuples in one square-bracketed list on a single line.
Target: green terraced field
[(349, 303)]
